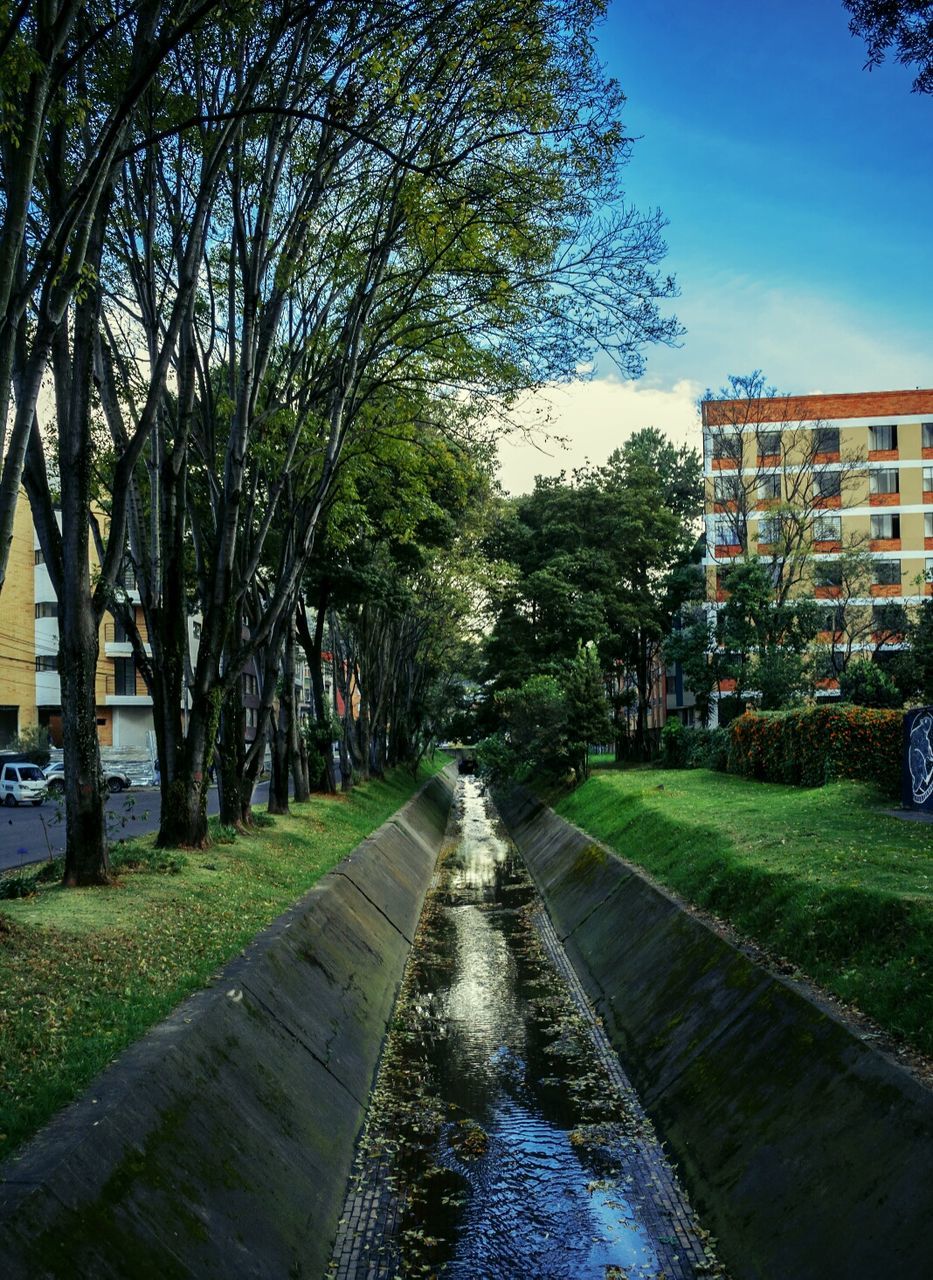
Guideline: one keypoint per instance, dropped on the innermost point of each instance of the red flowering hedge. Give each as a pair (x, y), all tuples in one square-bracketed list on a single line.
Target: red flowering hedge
[(819, 744)]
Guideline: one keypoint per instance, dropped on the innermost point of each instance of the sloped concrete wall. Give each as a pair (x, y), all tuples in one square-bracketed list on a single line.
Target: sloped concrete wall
[(220, 1144), (809, 1155)]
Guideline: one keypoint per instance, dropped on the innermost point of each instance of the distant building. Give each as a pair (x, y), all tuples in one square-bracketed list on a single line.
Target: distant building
[(798, 480)]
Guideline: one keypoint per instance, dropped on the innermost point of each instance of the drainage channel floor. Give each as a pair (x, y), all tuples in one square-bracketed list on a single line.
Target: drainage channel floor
[(503, 1138)]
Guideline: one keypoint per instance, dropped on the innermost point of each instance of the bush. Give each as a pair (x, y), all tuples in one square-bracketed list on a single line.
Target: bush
[(729, 708), (867, 685), (32, 742), (673, 745), (707, 748), (24, 881), (819, 744)]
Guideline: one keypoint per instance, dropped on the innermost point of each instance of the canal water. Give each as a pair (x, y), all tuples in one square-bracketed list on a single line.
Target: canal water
[(503, 1139)]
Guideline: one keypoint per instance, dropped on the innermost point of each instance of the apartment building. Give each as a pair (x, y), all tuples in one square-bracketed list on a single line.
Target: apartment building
[(30, 688), (804, 482)]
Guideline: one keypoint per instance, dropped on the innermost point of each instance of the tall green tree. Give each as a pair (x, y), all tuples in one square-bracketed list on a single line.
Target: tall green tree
[(601, 557)]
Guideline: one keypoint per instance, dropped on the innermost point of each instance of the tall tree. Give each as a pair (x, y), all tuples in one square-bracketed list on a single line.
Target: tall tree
[(431, 222), (599, 558)]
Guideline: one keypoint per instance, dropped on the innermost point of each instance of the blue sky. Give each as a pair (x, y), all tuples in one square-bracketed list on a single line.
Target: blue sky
[(798, 188)]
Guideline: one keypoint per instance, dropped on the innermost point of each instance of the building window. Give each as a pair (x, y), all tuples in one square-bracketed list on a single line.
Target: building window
[(887, 619), (884, 481), (725, 534), (885, 526), (828, 573), (882, 437), (927, 479), (928, 435), (887, 573), (769, 486), (250, 685), (769, 529), (928, 524), (128, 575), (124, 677), (827, 484), (826, 440), (39, 556), (47, 610), (769, 443), (726, 488), (47, 662), (827, 529), (727, 444), (833, 619), (928, 572), (120, 634), (252, 717)]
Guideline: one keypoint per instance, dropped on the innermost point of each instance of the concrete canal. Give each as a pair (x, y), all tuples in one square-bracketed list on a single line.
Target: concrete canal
[(503, 1139)]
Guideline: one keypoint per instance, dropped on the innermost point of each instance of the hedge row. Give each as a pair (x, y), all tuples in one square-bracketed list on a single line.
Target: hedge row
[(819, 744)]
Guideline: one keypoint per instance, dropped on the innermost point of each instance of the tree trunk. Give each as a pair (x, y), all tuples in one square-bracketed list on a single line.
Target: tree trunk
[(86, 860), (231, 759), (300, 776), (278, 783)]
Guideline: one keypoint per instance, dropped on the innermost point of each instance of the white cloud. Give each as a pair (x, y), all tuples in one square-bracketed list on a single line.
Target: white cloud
[(800, 337), (805, 341), (594, 417)]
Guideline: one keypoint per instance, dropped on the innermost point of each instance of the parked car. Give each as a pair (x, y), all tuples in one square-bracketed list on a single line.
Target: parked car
[(114, 779), (22, 783)]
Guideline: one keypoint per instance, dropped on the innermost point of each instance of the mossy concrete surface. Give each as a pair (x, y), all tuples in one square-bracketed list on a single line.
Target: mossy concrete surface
[(220, 1144), (808, 1154)]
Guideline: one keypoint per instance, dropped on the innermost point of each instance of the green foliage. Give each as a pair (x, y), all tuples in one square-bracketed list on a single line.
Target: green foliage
[(132, 855), (922, 651), (730, 707), (587, 711), (695, 747), (707, 748), (603, 556), (548, 724), (818, 745), (535, 721), (868, 685), (673, 745), (23, 882), (779, 677), (499, 761), (33, 742)]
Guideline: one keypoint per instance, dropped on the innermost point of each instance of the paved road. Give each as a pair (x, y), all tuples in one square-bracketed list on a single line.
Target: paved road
[(27, 832)]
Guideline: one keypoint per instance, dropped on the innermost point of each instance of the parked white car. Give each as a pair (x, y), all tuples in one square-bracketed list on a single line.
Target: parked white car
[(22, 783)]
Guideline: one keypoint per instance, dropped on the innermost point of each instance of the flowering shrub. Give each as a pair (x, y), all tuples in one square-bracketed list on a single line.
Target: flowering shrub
[(819, 744)]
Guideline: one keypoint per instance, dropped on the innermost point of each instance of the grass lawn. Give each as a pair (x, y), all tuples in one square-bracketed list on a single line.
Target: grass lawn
[(84, 972), (819, 877)]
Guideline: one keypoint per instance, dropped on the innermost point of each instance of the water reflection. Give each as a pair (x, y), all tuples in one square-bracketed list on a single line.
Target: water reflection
[(535, 1204)]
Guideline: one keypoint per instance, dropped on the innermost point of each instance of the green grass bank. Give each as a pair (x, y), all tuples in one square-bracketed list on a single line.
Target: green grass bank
[(820, 878), (84, 972)]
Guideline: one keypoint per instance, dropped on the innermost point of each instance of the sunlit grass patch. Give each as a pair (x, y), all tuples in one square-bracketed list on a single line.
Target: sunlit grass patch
[(821, 878), (84, 972)]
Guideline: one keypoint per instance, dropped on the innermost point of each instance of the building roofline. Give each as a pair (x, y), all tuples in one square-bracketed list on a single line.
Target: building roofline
[(813, 408)]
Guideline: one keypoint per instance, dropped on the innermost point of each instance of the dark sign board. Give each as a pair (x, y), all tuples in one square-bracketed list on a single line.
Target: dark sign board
[(917, 777)]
